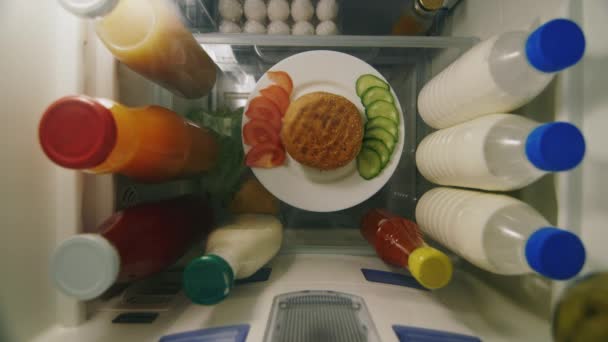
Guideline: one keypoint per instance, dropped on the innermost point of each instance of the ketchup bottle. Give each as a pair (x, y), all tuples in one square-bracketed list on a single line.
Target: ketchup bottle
[(399, 242), (131, 244)]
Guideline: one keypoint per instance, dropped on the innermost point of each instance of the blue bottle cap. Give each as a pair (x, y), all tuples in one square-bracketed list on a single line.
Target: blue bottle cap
[(555, 253), (555, 146), (555, 45), (208, 280)]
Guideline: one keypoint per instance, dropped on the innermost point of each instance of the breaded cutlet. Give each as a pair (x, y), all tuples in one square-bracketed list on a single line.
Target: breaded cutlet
[(322, 130)]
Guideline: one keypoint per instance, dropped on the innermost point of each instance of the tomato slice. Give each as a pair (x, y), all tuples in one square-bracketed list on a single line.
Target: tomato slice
[(277, 95), (265, 155), (265, 103), (263, 109), (258, 131), (282, 79)]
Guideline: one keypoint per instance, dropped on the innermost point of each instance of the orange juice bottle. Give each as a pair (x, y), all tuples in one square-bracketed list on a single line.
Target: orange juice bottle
[(148, 37), (148, 144), (417, 17)]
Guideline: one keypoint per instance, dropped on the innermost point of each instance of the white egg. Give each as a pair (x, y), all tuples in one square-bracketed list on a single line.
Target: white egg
[(231, 9), (278, 27), (255, 10), (327, 10), (303, 28), (302, 10), (229, 27), (252, 26), (327, 28), (278, 10)]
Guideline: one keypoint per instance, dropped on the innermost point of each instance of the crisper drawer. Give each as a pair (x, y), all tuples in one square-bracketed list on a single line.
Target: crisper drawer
[(406, 62)]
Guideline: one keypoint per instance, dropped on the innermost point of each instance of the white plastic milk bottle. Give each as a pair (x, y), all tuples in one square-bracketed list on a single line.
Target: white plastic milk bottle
[(500, 74), (499, 152), (498, 233), (234, 251)]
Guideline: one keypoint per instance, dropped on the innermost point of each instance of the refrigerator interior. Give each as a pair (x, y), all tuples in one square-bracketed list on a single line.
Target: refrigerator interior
[(43, 204)]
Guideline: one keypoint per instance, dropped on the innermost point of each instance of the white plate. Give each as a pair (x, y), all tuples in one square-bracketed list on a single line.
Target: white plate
[(312, 190)]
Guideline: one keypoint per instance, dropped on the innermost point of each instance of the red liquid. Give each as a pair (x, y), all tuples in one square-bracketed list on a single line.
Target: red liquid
[(152, 236), (393, 237)]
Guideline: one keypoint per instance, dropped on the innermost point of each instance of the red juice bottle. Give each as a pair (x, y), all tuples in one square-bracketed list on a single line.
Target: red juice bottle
[(131, 244), (399, 242)]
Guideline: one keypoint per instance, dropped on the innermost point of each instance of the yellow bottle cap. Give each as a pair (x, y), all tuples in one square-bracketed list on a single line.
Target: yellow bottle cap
[(432, 268)]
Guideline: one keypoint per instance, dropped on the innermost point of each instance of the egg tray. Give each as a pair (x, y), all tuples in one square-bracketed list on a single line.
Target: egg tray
[(203, 16)]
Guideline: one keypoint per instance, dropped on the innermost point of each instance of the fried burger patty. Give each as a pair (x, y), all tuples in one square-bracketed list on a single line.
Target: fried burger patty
[(322, 130)]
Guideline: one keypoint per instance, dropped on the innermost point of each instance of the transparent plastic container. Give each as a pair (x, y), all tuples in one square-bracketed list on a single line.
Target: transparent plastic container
[(156, 44), (500, 74), (149, 144), (499, 233), (418, 17), (399, 242), (499, 152), (132, 244)]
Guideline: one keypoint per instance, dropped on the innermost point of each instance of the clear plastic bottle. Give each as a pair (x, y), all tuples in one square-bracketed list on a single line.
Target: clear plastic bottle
[(233, 251), (499, 152), (399, 242), (132, 244), (499, 234), (500, 74), (149, 37), (149, 144), (417, 17)]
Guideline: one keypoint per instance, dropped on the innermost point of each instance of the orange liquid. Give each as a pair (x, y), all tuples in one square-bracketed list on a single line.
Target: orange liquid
[(155, 144), (148, 37)]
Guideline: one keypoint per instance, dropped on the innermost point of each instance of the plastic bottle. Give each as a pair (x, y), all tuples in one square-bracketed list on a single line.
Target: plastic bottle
[(148, 144), (499, 234), (399, 242), (131, 244), (499, 152), (417, 18), (234, 251), (149, 37), (500, 74)]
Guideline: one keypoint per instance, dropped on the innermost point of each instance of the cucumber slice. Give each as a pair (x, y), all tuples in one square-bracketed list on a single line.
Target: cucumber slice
[(374, 94), (367, 81), (382, 109), (369, 164), (383, 135), (384, 123), (378, 147)]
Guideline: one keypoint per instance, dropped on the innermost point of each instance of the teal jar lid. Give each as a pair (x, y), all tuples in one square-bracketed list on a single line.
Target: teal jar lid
[(208, 279)]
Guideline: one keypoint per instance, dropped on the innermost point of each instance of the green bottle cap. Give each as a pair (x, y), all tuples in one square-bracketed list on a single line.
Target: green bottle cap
[(208, 280)]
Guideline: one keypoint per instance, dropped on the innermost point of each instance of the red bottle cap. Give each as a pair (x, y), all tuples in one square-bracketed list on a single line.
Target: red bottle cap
[(77, 132)]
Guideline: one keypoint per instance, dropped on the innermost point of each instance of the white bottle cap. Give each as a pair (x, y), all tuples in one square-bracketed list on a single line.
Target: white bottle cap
[(89, 8), (84, 266)]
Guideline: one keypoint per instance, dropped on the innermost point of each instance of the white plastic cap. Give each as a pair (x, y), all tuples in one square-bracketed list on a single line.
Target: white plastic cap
[(89, 8), (84, 266)]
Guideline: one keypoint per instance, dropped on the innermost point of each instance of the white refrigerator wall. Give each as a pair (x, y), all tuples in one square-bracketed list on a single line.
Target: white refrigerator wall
[(44, 54), (595, 124), (41, 60)]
